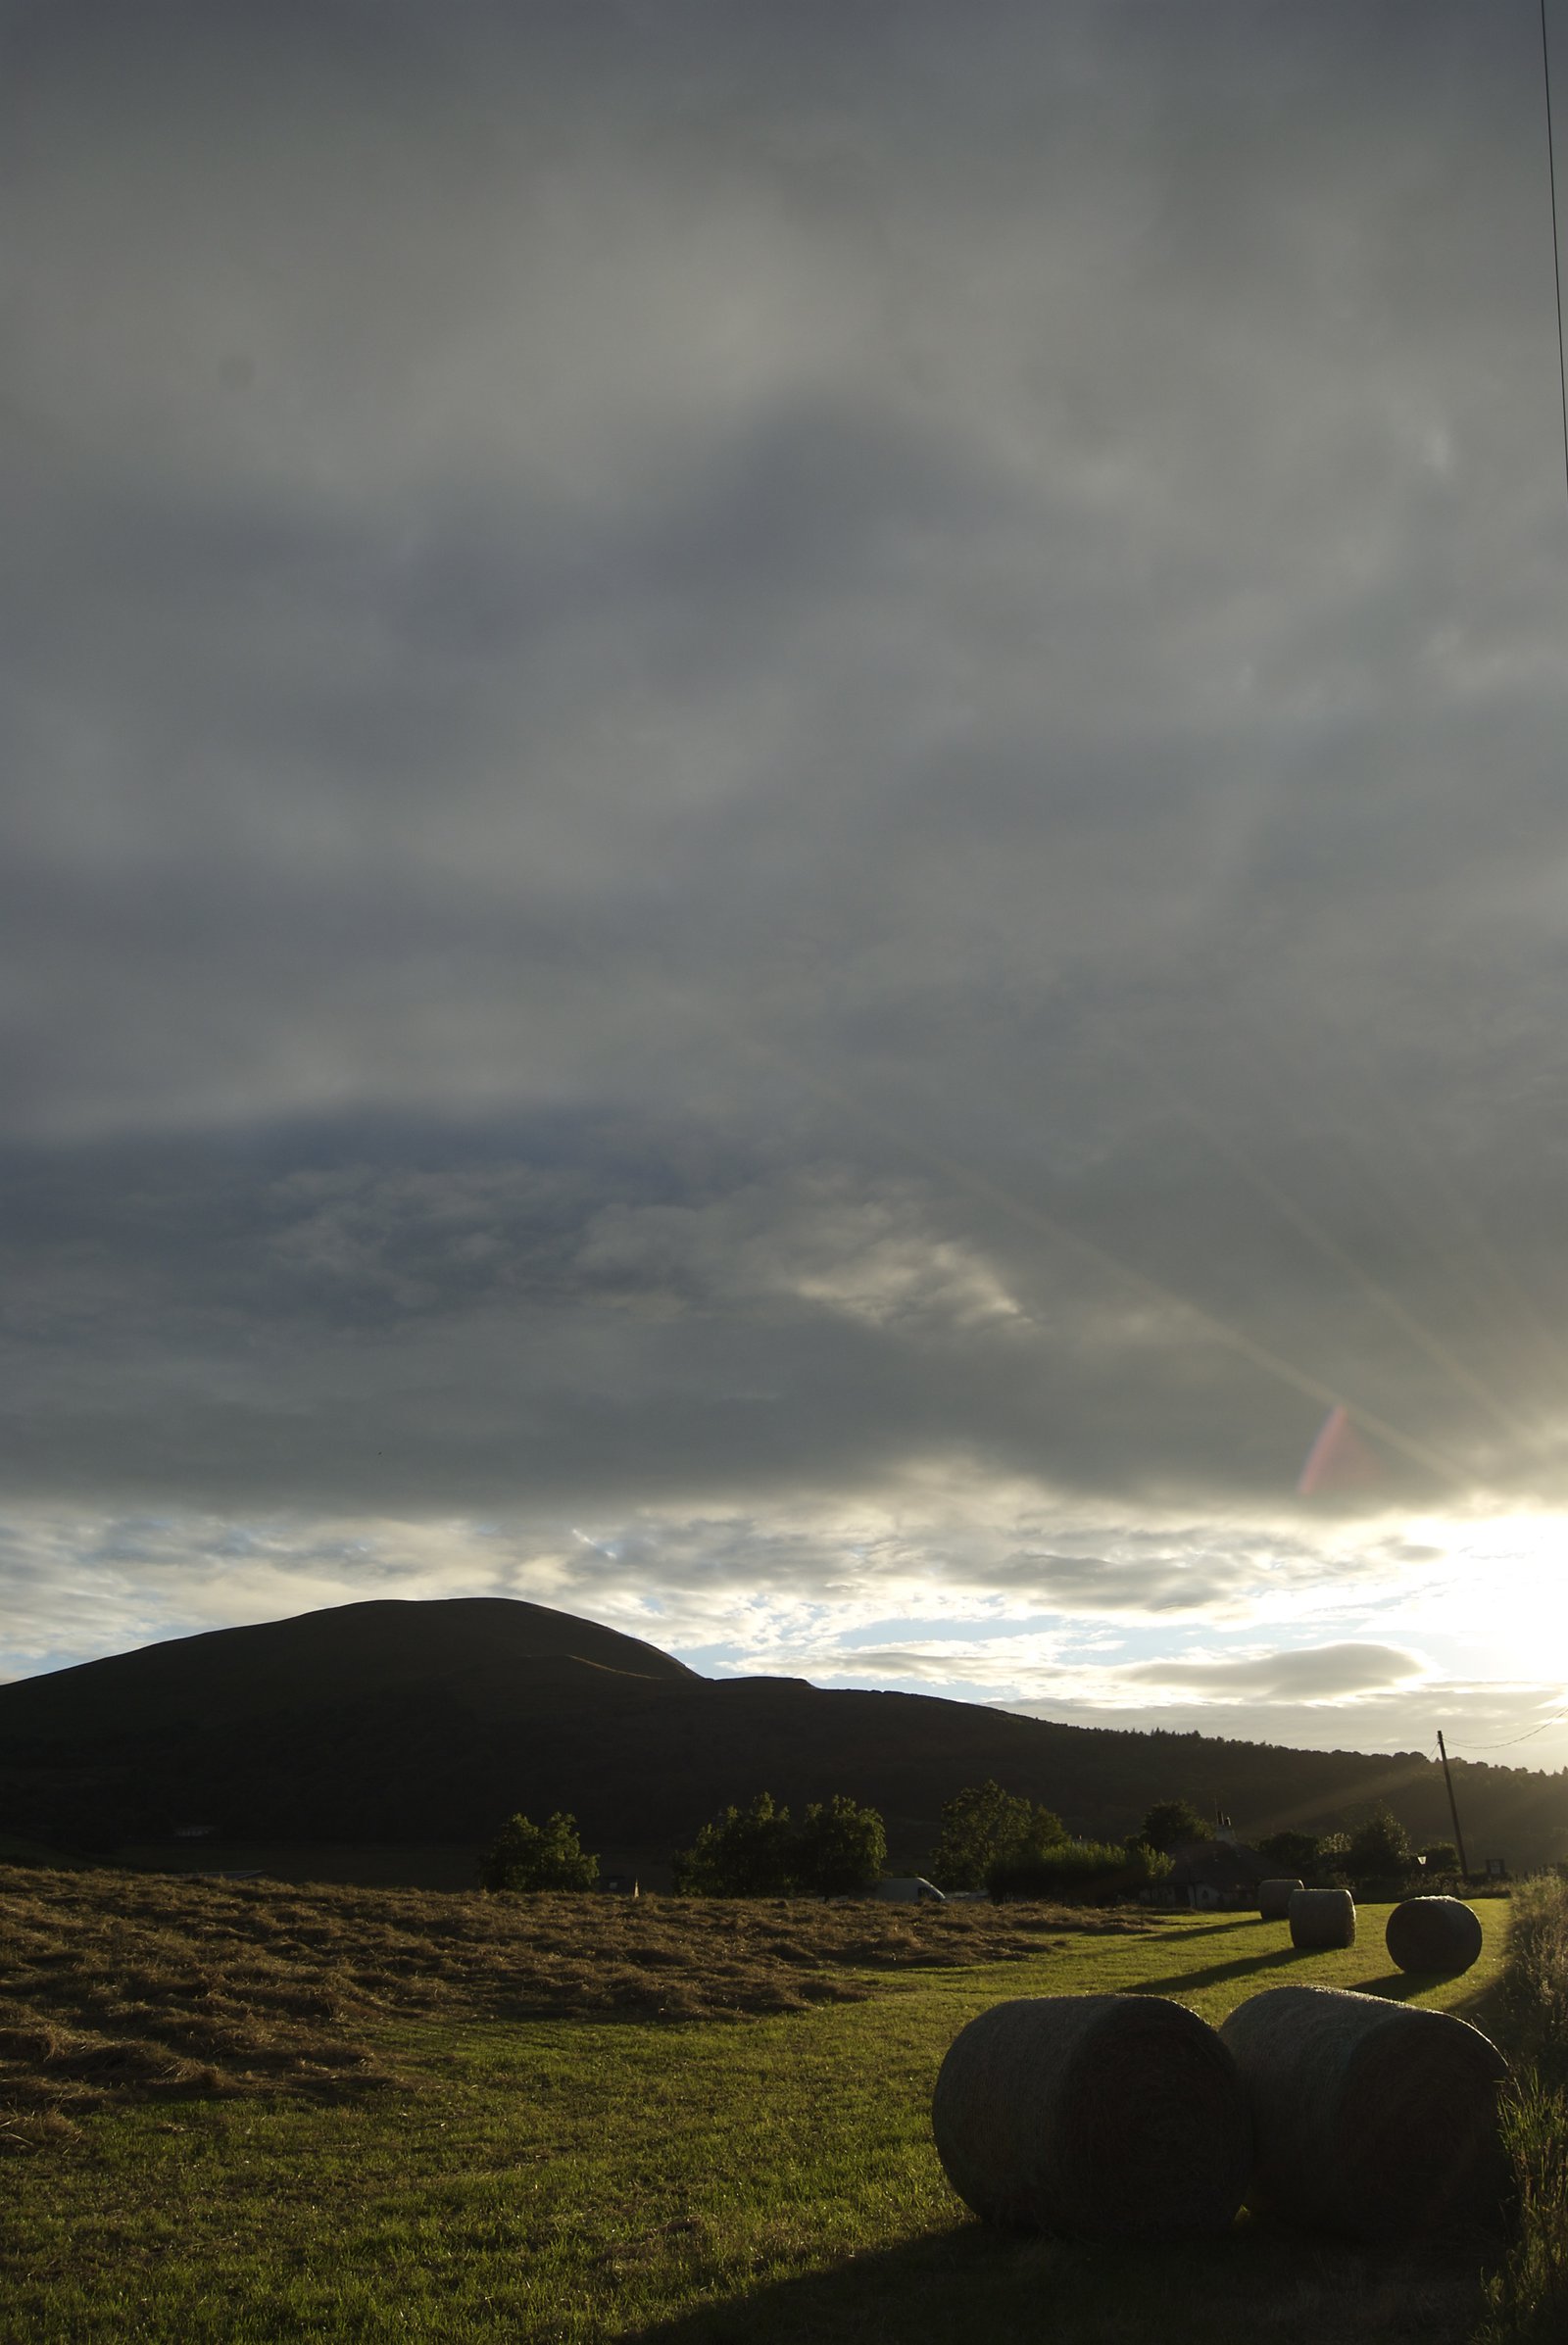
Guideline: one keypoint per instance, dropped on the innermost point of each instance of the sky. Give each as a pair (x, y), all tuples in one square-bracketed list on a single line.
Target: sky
[(785, 847)]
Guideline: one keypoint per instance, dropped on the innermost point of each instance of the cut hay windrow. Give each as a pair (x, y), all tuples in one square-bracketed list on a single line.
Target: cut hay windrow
[(261, 1987), (1094, 2116), (1274, 1898), (1374, 2119), (1433, 1934), (1321, 1918)]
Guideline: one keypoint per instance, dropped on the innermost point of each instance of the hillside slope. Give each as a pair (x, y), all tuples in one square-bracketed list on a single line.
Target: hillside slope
[(430, 1722), (477, 1649)]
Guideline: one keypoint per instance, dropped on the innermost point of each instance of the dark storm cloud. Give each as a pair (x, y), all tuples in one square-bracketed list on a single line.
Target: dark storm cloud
[(682, 679)]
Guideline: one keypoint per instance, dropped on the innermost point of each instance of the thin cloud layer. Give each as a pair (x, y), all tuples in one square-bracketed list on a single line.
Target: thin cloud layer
[(1321, 1673), (782, 770)]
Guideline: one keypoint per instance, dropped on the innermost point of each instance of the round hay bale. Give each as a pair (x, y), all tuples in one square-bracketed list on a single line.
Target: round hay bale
[(1274, 1898), (1320, 1918), (1093, 2117), (1372, 2119), (1433, 1934)]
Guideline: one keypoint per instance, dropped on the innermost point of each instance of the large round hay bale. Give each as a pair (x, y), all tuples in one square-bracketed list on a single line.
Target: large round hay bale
[(1274, 1898), (1370, 2118), (1094, 2116), (1433, 1933), (1320, 1918)]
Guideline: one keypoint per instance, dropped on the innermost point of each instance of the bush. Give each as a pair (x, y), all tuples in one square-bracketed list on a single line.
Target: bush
[(538, 1856), (838, 1848), (984, 1826), (1081, 1871)]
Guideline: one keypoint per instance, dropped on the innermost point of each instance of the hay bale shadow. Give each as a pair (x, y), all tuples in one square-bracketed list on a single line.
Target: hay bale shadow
[(1256, 2284), (1245, 1967)]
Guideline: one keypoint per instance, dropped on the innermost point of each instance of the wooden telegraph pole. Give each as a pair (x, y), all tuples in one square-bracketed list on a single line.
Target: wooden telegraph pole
[(1453, 1806)]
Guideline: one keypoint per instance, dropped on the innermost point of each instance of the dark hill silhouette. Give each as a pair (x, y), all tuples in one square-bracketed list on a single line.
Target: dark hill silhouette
[(399, 1722), (485, 1651)]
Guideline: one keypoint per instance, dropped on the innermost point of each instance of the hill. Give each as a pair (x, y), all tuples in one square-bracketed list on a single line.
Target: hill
[(400, 1722)]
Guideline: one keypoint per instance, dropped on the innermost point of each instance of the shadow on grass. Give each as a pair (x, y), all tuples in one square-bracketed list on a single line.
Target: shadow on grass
[(1207, 1929), (1243, 1968), (1256, 2286), (1397, 1987), (1401, 1986)]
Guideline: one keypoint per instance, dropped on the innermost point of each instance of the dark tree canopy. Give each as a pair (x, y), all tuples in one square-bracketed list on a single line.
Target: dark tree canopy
[(747, 1852), (1172, 1823), (837, 1849), (1379, 1849), (841, 1847), (538, 1856), (1295, 1853)]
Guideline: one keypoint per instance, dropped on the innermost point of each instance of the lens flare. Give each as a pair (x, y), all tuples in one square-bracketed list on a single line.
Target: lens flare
[(1339, 1459)]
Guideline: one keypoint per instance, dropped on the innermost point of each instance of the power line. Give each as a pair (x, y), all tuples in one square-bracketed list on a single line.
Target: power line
[(1528, 1735), (1556, 256)]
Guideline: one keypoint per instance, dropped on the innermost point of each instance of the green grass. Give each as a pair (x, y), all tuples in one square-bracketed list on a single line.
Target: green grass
[(580, 2178), (1528, 2296)]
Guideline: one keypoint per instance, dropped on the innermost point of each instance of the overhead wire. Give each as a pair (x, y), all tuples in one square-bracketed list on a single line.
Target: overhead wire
[(1556, 1719), (1557, 251)]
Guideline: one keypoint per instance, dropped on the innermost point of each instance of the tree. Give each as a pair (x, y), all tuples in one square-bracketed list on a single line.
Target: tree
[(1379, 1849), (1295, 1853), (984, 1826), (840, 1848), (1439, 1856), (538, 1856), (747, 1852), (837, 1849), (1171, 1824)]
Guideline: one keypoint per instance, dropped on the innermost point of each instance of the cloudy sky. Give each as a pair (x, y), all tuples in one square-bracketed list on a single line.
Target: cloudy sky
[(786, 845)]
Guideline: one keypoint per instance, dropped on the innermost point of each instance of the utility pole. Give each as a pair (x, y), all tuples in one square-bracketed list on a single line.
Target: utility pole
[(1453, 1806)]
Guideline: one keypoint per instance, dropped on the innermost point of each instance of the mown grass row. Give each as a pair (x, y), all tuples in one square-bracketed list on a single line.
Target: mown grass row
[(119, 1986)]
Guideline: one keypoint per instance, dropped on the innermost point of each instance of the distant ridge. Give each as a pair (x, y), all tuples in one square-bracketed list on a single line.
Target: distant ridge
[(482, 1651), (400, 1722)]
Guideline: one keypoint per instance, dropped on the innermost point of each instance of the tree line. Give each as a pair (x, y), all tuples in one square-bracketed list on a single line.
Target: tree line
[(1377, 1851), (991, 1841)]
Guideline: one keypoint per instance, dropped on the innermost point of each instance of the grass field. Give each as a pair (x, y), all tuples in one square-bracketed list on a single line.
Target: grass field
[(576, 2176)]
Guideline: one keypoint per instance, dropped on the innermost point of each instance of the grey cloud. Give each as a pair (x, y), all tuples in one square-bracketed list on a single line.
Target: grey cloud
[(688, 684), (1169, 1583), (1321, 1673), (614, 1310)]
